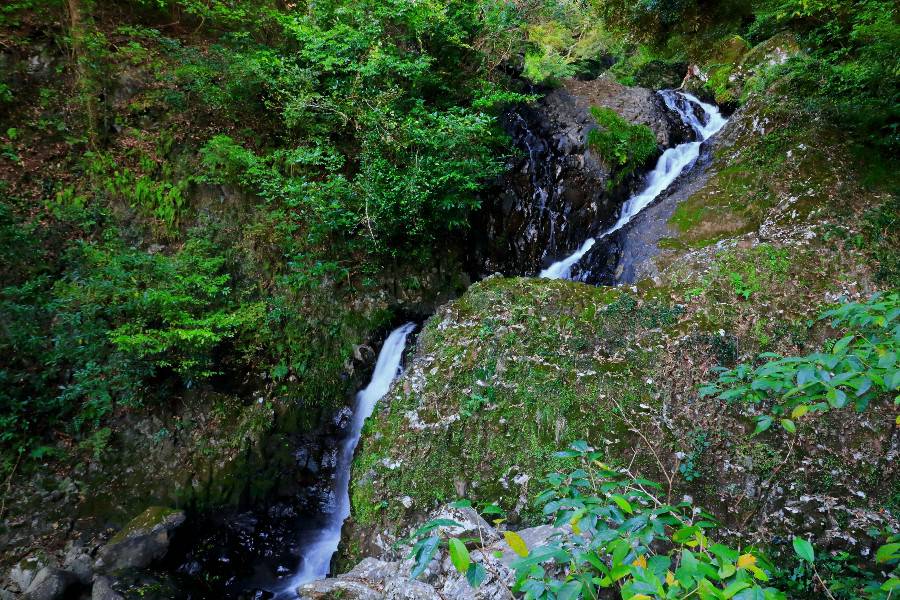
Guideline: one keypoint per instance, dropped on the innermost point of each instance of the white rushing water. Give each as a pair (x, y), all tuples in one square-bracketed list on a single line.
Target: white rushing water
[(324, 543), (669, 166)]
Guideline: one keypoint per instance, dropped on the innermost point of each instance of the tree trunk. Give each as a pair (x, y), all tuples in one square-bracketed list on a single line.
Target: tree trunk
[(86, 85)]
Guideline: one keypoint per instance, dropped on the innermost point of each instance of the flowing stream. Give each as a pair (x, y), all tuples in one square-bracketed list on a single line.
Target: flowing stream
[(669, 166), (323, 543)]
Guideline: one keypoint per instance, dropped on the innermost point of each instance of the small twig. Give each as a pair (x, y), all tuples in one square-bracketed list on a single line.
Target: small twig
[(669, 478), (822, 583), (9, 485)]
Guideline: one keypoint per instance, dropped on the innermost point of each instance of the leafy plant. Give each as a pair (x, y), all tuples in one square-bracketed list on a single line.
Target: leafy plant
[(623, 145), (859, 368)]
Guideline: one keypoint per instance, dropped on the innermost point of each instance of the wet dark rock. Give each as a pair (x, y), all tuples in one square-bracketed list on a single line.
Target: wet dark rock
[(103, 590), (561, 191)]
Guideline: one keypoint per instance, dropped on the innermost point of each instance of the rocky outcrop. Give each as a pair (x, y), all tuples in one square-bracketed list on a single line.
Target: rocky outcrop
[(561, 190), (145, 539), (379, 579)]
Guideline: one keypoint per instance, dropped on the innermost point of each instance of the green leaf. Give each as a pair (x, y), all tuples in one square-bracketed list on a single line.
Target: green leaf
[(459, 556), (842, 343), (622, 503), (476, 574), (570, 591), (734, 588), (424, 555), (763, 422), (887, 552), (804, 550), (789, 425)]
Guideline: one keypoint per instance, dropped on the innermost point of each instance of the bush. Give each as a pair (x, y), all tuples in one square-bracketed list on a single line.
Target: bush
[(623, 146), (858, 368)]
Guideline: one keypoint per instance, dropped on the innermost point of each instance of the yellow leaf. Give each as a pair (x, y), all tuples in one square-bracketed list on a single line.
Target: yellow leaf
[(640, 561), (799, 411), (670, 579), (516, 542), (640, 597), (745, 561)]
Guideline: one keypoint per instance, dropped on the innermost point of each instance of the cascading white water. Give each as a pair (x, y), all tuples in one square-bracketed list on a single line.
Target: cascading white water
[(318, 552), (669, 166)]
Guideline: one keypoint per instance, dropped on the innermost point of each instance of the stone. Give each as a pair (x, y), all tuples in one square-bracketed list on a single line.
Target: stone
[(78, 561), (50, 584), (142, 541), (103, 590), (403, 588), (561, 190), (337, 589), (23, 573)]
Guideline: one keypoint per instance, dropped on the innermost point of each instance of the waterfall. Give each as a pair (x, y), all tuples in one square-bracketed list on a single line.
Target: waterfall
[(318, 552), (670, 165)]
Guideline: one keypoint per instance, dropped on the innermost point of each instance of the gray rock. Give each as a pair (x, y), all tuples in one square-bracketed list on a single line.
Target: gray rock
[(334, 589), (78, 561), (144, 540), (50, 584), (23, 573), (103, 590), (403, 588)]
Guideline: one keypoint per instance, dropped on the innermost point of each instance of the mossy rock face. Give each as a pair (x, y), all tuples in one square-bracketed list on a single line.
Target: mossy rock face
[(152, 519)]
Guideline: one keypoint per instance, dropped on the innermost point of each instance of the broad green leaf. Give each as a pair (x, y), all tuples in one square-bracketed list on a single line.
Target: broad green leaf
[(763, 422), (459, 555), (804, 549), (476, 574), (842, 344), (734, 588), (789, 425), (516, 542), (799, 411), (622, 503), (570, 591), (887, 552), (424, 555)]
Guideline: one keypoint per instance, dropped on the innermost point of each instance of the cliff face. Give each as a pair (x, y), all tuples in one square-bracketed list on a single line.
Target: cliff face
[(560, 190), (742, 261)]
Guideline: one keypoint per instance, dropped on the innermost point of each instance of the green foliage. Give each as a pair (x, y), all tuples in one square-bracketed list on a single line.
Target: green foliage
[(625, 146), (93, 336), (623, 536), (858, 368), (689, 467), (850, 73), (844, 576)]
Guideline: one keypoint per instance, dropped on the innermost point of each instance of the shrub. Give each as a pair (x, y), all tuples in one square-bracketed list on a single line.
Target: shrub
[(624, 146), (857, 369)]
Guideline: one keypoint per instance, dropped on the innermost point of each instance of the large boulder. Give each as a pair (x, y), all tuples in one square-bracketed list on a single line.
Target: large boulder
[(142, 541)]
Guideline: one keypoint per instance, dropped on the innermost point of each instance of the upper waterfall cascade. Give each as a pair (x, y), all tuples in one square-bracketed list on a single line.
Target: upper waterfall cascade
[(673, 162)]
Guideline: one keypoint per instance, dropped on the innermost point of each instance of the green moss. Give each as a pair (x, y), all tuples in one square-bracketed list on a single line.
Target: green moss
[(144, 522), (543, 364)]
